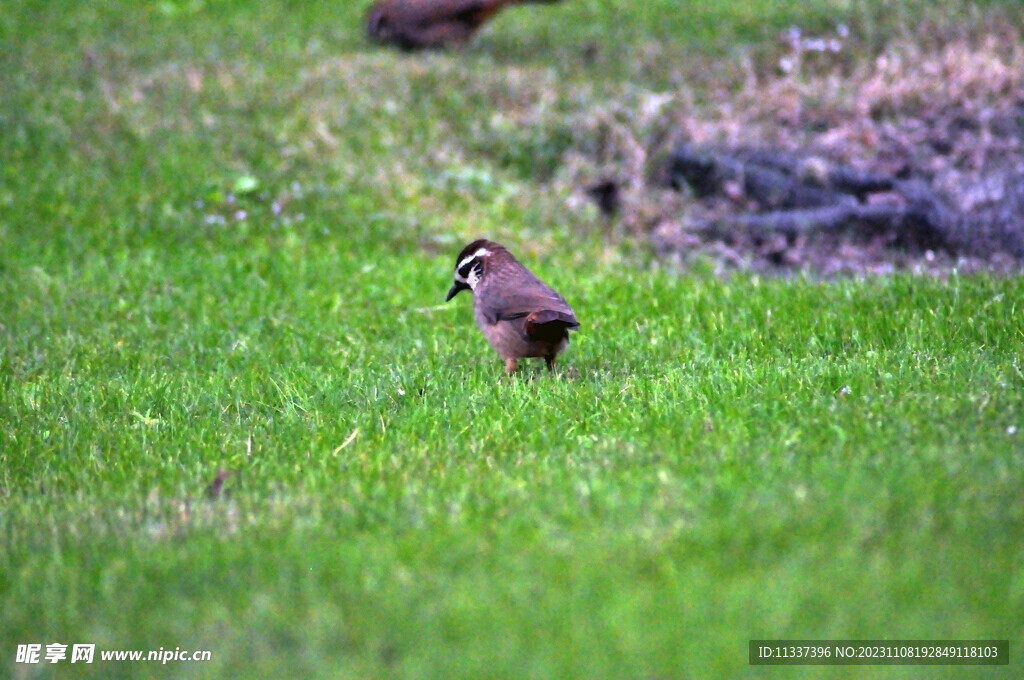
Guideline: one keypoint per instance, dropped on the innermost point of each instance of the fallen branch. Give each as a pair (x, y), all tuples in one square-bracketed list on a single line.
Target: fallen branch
[(801, 195)]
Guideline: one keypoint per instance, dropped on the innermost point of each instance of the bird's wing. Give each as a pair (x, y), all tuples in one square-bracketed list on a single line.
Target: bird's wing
[(506, 303)]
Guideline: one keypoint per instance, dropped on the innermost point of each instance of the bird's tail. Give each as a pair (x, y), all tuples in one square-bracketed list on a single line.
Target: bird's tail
[(550, 316)]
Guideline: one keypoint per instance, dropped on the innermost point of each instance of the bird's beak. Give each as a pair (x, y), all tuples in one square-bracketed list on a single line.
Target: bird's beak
[(454, 290)]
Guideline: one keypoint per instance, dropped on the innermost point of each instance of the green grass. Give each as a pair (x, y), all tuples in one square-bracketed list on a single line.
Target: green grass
[(716, 460)]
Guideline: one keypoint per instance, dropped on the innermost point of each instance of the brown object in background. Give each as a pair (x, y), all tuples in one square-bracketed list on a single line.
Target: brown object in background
[(416, 24)]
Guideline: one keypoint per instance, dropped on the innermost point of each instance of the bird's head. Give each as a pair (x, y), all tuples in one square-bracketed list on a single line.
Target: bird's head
[(378, 26), (470, 265)]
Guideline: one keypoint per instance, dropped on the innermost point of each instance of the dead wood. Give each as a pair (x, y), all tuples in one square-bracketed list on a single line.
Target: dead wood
[(801, 195)]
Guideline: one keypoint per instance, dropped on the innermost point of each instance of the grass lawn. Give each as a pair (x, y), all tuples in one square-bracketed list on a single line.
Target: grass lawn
[(226, 232)]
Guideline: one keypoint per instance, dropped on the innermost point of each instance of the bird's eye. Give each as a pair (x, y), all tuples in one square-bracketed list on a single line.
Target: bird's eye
[(467, 267)]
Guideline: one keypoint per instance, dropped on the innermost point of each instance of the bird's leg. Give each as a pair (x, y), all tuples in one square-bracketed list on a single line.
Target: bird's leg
[(510, 365), (551, 363)]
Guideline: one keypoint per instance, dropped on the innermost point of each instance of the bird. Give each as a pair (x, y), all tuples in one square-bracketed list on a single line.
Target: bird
[(418, 24), (520, 315)]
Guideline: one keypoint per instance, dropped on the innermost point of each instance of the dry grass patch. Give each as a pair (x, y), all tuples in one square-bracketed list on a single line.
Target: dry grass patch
[(951, 113)]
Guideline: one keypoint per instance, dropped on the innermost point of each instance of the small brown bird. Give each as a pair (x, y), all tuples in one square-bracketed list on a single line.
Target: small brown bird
[(520, 315), (416, 24)]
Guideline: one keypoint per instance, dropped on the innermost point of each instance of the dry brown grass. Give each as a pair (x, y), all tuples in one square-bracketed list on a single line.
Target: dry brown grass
[(948, 110)]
